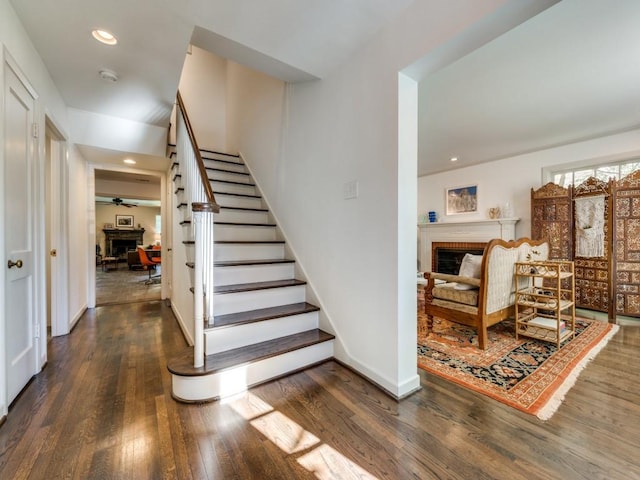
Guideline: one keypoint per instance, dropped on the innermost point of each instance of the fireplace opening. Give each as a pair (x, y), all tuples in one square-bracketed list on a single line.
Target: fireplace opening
[(447, 256), (119, 248)]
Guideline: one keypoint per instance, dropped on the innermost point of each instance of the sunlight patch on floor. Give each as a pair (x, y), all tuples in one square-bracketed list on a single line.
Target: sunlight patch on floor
[(323, 461), (326, 463)]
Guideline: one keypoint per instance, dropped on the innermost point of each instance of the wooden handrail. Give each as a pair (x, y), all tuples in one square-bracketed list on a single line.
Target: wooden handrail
[(201, 168)]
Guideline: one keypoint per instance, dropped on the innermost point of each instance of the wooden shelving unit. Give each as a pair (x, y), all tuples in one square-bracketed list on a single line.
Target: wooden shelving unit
[(545, 300)]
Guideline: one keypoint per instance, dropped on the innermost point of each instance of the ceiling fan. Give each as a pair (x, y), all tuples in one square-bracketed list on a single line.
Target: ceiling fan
[(117, 201)]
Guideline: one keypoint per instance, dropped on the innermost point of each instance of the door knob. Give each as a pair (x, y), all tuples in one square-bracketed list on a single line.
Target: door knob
[(11, 264), (53, 253)]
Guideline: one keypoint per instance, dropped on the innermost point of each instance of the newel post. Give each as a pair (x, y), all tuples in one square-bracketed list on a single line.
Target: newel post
[(203, 275)]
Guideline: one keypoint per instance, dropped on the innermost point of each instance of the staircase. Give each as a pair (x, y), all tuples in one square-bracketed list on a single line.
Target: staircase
[(263, 328)]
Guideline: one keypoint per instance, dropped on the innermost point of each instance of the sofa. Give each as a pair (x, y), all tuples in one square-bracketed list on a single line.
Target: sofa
[(483, 292)]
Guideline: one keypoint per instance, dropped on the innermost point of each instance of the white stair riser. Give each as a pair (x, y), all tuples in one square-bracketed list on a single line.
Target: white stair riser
[(220, 156), (233, 167), (231, 252), (229, 176), (241, 216), (239, 379), (253, 273), (241, 233), (240, 202), (255, 299), (222, 339), (232, 188)]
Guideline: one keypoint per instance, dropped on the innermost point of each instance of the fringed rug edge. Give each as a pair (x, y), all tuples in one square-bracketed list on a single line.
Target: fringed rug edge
[(553, 403)]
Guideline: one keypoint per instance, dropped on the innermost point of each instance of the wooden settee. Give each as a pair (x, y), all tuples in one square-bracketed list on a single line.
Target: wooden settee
[(491, 296)]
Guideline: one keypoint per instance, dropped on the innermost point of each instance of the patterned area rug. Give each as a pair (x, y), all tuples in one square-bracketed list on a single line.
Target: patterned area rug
[(527, 374)]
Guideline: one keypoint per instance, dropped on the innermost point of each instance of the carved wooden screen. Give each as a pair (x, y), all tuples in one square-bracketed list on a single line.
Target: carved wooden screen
[(592, 245), (627, 245), (552, 219)]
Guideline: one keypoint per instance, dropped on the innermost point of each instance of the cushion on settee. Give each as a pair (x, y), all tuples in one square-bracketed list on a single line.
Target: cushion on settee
[(448, 291), (471, 266)]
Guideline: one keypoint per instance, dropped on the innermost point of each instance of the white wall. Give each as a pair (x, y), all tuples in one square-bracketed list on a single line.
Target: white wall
[(79, 227), (15, 42), (203, 89), (512, 179), (340, 129)]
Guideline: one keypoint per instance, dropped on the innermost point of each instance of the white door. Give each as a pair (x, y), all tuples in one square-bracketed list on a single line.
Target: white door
[(19, 167)]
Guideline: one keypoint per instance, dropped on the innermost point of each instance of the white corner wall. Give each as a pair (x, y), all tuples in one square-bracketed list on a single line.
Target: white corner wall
[(15, 42), (306, 141), (203, 89)]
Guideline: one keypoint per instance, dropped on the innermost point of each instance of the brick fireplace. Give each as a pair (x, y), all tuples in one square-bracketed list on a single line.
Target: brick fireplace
[(447, 256), (459, 238)]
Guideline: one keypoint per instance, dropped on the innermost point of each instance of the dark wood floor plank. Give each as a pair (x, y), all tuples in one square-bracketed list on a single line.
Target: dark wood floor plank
[(102, 408)]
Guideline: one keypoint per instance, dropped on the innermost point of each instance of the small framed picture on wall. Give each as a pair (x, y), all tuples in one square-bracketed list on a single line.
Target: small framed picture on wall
[(124, 221), (462, 199)]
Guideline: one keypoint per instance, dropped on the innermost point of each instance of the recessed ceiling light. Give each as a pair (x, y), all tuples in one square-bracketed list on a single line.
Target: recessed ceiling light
[(104, 36), (454, 159), (129, 161), (108, 75)]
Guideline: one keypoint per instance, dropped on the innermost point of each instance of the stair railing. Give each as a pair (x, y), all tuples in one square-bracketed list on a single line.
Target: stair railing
[(199, 195)]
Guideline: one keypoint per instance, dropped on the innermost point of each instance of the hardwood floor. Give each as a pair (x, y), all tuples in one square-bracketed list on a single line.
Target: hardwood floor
[(102, 409)]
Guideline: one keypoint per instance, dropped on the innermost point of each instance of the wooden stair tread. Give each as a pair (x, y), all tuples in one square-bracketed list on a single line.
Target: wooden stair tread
[(183, 365), (216, 152), (244, 209), (248, 287), (246, 242), (237, 263), (230, 182), (223, 170), (262, 314), (240, 263), (246, 224), (247, 195)]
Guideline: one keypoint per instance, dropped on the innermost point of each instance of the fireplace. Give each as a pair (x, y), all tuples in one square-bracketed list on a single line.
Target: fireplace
[(119, 242), (475, 231), (447, 256)]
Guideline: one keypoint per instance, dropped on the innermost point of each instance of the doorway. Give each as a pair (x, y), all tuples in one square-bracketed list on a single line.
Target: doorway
[(56, 228), (128, 212)]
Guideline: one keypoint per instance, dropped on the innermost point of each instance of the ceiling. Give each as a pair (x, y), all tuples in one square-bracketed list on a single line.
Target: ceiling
[(567, 74)]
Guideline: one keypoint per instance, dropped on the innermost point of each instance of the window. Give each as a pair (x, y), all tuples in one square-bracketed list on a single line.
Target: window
[(604, 172)]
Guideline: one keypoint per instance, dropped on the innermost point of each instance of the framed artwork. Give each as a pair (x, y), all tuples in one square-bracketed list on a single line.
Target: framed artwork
[(462, 199), (108, 226), (124, 221)]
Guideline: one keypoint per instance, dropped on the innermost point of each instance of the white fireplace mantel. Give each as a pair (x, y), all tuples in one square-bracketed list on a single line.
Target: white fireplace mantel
[(470, 231)]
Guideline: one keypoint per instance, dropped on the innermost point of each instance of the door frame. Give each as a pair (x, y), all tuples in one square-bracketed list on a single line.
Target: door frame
[(56, 154), (40, 327), (91, 209)]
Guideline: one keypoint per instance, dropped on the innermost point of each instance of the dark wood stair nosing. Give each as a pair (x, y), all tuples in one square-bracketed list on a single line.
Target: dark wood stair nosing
[(247, 195), (219, 362), (255, 286), (216, 152), (245, 209), (222, 170), (246, 263), (248, 242), (231, 182), (245, 224)]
